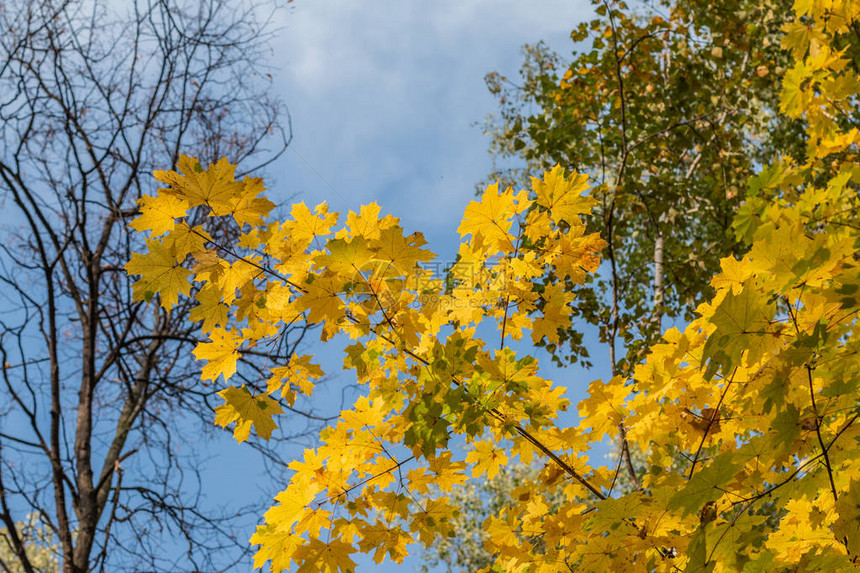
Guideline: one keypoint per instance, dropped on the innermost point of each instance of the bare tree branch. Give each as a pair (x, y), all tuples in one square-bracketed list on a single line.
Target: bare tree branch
[(98, 389)]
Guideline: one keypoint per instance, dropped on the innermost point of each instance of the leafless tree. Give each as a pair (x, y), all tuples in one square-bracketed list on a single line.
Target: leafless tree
[(98, 390)]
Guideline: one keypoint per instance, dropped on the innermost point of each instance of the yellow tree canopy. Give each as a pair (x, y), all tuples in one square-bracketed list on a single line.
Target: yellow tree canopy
[(748, 416)]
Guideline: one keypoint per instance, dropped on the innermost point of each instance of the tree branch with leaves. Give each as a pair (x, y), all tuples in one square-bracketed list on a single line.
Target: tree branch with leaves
[(747, 417)]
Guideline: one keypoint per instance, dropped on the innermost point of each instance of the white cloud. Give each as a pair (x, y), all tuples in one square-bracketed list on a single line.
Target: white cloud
[(384, 96)]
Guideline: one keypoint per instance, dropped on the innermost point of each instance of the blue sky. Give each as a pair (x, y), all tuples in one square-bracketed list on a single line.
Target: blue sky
[(384, 98)]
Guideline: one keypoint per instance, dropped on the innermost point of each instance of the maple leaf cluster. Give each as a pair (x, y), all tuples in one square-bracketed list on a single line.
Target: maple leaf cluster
[(758, 396)]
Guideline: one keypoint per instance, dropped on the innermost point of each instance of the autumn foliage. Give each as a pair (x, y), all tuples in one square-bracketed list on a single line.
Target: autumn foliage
[(748, 416)]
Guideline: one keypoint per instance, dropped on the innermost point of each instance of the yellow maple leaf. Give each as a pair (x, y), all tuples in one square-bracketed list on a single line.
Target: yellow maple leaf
[(744, 325), (556, 313), (248, 207), (487, 457), (275, 546), (837, 143), (245, 409), (502, 533), (221, 354), (160, 273), (347, 258), (574, 255), (799, 37), (366, 223), (185, 240), (318, 556), (538, 227), (604, 409), (279, 304), (307, 224), (489, 219), (447, 474), (215, 186), (313, 522), (210, 309), (322, 299), (563, 197), (434, 519), (400, 254), (158, 214), (235, 276), (794, 99), (299, 373), (384, 539), (734, 274), (420, 480)]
